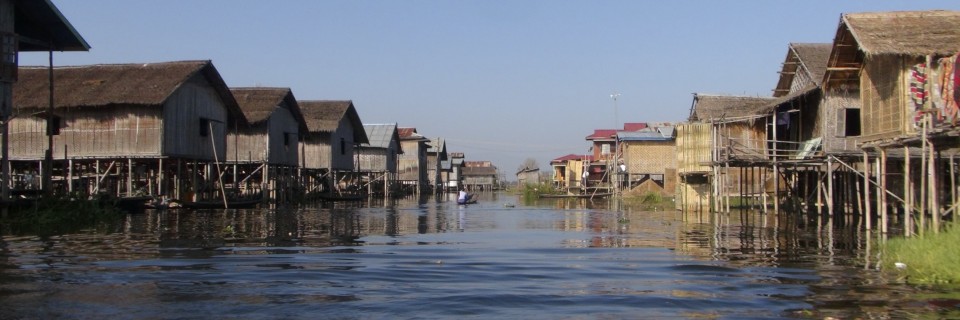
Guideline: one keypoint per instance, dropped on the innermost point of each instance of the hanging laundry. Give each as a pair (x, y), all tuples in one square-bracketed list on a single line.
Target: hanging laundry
[(918, 81), (947, 104)]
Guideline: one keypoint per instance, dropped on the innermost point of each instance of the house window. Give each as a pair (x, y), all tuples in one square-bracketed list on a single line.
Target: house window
[(204, 127), (286, 139), (851, 126), (605, 149), (343, 146)]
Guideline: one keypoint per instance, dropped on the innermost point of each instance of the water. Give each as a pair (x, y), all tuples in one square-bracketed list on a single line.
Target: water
[(501, 258)]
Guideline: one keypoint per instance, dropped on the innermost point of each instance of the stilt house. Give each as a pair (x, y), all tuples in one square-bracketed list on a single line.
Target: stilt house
[(328, 157), (28, 26), (379, 158), (263, 155), (900, 70), (648, 159), (412, 166), (568, 171), (127, 129), (436, 157)]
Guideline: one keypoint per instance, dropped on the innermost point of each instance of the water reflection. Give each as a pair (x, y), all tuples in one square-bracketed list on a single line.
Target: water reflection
[(403, 258)]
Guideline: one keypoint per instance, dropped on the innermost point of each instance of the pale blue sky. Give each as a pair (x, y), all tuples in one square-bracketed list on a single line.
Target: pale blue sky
[(500, 80)]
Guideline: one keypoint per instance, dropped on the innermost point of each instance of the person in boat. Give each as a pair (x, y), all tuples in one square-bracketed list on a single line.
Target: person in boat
[(463, 197)]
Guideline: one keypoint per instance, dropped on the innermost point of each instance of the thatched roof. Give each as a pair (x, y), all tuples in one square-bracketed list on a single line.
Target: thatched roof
[(717, 107), (140, 84), (259, 103), (915, 33), (808, 58), (325, 116)]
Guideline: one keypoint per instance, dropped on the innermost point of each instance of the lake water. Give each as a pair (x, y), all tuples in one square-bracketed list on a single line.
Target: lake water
[(501, 258)]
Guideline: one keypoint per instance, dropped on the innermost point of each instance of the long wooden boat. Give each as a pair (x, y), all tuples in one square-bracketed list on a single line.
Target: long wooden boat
[(218, 204), (577, 196)]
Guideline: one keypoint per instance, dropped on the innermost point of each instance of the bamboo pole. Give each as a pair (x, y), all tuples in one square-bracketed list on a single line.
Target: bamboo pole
[(830, 187), (882, 175), (923, 177), (866, 191), (908, 198), (932, 171), (953, 185)]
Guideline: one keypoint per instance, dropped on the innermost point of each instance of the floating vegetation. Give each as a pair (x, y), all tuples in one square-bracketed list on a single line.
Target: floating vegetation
[(931, 259), (60, 215)]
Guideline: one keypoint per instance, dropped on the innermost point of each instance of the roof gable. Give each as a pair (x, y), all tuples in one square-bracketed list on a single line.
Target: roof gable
[(325, 116), (808, 58), (259, 103), (381, 135), (716, 107)]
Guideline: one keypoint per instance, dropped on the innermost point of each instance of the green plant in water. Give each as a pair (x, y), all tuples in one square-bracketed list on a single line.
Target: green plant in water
[(931, 259), (62, 214)]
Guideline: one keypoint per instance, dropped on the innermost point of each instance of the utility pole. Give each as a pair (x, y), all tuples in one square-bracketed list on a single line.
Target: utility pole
[(615, 177)]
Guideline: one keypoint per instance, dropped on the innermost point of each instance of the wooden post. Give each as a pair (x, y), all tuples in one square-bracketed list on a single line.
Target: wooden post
[(830, 186), (932, 171), (908, 198), (882, 175), (953, 185), (866, 191)]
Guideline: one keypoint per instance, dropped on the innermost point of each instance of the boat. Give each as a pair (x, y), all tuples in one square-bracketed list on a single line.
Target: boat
[(218, 204), (341, 197), (576, 196)]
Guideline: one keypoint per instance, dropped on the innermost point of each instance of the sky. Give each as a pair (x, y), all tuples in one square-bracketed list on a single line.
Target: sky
[(500, 80)]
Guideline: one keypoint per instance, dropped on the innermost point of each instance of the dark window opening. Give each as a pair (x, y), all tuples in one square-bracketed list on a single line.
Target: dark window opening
[(204, 127), (343, 146), (852, 125)]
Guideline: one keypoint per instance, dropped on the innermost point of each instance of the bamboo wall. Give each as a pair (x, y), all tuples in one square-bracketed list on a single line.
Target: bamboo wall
[(413, 161), (377, 160), (90, 133), (315, 151), (274, 142), (694, 146), (182, 111), (649, 157), (882, 94), (831, 124)]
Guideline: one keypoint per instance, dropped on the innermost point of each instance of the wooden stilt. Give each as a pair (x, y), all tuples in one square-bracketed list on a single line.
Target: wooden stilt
[(934, 201), (908, 198), (830, 194), (866, 191), (953, 185), (882, 191)]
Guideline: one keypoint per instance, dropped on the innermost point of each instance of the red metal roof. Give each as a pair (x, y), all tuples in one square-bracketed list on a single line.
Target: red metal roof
[(600, 134)]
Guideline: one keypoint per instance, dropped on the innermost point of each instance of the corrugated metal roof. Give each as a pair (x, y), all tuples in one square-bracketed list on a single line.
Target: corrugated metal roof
[(380, 135)]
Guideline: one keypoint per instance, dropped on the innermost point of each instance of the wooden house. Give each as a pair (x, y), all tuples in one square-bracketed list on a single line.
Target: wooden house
[(328, 157), (128, 129), (899, 69), (649, 157), (436, 157), (806, 131), (455, 179), (480, 176), (28, 26), (606, 154), (379, 157), (263, 154), (528, 176), (412, 166), (737, 138), (568, 171)]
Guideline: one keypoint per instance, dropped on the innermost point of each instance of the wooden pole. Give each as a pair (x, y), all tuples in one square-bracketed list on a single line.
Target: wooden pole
[(932, 172), (908, 203), (882, 175), (830, 195), (953, 185), (866, 191)]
